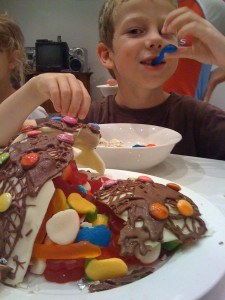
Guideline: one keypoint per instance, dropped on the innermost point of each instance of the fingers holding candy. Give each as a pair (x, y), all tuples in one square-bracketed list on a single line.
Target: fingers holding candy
[(67, 93), (203, 36)]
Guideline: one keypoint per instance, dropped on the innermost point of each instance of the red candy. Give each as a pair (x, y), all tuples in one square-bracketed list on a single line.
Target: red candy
[(29, 160), (95, 185), (109, 183), (62, 271), (144, 179), (69, 120), (33, 133), (73, 176), (65, 138)]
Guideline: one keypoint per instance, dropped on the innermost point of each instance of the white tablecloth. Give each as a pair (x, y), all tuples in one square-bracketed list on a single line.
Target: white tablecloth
[(205, 177)]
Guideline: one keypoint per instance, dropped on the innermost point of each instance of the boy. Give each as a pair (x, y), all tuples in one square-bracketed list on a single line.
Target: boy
[(132, 33)]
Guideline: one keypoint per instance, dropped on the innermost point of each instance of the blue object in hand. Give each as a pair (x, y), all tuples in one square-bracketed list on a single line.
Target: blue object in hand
[(167, 49)]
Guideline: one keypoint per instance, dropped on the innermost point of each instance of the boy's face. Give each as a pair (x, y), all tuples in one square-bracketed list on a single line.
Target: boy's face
[(138, 39)]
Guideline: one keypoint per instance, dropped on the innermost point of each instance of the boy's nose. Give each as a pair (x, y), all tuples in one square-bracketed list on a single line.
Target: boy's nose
[(154, 42)]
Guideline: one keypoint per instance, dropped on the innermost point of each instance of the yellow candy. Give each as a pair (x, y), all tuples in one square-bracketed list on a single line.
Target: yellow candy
[(5, 201), (80, 204), (100, 220), (106, 269)]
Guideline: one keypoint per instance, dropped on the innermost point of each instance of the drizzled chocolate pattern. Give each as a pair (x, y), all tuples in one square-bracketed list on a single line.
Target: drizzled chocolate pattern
[(71, 128), (133, 198), (54, 156)]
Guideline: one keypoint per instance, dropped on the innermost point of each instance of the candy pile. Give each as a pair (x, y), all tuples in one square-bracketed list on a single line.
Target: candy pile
[(73, 230), (112, 219)]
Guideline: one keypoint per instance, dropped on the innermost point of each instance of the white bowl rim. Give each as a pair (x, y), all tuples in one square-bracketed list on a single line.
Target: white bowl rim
[(179, 138), (107, 86)]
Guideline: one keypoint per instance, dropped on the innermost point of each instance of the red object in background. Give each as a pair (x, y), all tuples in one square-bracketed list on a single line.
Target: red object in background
[(62, 271), (188, 70)]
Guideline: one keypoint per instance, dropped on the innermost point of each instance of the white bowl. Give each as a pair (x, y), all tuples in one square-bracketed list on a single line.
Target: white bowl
[(107, 89), (136, 158)]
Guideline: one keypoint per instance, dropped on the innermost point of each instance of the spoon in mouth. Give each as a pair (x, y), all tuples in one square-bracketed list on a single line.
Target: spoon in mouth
[(167, 49)]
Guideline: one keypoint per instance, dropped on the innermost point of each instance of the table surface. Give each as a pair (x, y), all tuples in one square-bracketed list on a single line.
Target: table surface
[(205, 177)]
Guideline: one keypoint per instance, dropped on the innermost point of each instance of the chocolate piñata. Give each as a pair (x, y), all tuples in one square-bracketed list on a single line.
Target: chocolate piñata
[(28, 184)]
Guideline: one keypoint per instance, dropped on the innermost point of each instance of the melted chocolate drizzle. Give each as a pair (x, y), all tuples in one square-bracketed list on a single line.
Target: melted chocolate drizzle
[(135, 197), (54, 156)]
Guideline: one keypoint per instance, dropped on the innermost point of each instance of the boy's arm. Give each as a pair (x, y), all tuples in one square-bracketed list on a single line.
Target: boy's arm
[(208, 44), (68, 95)]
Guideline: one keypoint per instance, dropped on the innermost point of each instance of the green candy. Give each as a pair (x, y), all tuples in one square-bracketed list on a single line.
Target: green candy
[(4, 157), (172, 245)]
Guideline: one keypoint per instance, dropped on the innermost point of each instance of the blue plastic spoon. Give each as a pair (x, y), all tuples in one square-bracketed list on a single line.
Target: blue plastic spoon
[(167, 49)]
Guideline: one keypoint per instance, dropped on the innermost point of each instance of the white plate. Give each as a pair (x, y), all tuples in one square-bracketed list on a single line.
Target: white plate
[(188, 275)]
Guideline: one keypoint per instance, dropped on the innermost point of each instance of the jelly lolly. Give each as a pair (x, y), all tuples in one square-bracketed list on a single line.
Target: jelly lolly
[(167, 49)]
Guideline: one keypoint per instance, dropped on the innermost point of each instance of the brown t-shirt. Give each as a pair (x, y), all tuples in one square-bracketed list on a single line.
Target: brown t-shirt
[(201, 125)]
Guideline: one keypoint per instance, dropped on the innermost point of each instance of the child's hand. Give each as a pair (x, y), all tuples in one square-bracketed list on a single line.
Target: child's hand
[(68, 94), (208, 44)]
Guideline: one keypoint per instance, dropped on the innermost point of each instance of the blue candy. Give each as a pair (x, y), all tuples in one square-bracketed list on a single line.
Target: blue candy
[(137, 146), (167, 49), (82, 189), (56, 119), (98, 235), (95, 125)]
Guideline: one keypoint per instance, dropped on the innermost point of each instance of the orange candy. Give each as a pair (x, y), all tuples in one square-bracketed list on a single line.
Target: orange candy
[(159, 211), (25, 128), (174, 186), (29, 160), (59, 202), (185, 208), (42, 230), (151, 145), (71, 251)]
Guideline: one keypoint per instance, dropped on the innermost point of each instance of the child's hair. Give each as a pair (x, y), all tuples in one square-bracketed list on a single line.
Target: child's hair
[(11, 39), (107, 16)]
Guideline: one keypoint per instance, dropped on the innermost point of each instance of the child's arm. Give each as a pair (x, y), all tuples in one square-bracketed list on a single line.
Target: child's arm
[(68, 95), (208, 44)]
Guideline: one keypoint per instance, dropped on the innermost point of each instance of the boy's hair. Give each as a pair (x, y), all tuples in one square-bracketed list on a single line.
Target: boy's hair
[(11, 39), (107, 16)]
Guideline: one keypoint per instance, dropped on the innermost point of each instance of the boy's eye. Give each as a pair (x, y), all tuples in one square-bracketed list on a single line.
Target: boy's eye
[(135, 31)]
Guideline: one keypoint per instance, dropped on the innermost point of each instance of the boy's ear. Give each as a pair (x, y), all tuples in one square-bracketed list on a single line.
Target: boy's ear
[(14, 59), (104, 55)]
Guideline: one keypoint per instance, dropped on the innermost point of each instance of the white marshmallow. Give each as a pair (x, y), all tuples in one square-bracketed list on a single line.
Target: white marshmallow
[(63, 227)]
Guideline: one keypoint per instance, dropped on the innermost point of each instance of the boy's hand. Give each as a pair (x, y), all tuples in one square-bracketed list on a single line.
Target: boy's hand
[(68, 94), (208, 44), (217, 76)]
